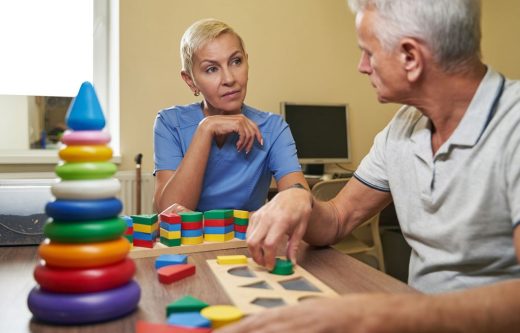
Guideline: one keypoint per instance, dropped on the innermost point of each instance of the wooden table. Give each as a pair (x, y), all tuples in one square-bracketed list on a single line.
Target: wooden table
[(340, 272)]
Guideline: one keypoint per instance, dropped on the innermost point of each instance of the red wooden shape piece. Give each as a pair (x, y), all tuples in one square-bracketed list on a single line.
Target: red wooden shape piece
[(169, 274), (146, 327), (218, 222)]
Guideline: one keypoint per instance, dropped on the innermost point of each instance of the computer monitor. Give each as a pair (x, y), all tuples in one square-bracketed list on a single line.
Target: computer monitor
[(320, 132)]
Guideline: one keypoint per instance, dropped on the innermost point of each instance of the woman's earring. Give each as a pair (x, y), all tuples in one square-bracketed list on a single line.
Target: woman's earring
[(196, 93)]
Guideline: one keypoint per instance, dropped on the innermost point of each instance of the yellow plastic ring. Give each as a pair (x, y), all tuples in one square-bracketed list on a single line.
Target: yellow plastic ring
[(93, 153), (83, 255)]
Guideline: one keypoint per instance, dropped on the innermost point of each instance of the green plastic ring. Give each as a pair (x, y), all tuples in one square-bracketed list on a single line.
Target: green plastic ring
[(84, 231), (87, 170)]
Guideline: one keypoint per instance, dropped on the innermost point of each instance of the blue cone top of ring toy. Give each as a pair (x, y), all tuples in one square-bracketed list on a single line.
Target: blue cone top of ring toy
[(82, 210), (85, 111)]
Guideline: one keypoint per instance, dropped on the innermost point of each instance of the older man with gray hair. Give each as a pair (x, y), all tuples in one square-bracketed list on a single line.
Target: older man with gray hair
[(449, 160)]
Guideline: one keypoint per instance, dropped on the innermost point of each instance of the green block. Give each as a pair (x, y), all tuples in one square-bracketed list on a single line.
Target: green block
[(283, 267), (148, 219), (216, 214), (191, 216), (239, 221), (130, 238), (186, 304), (170, 242)]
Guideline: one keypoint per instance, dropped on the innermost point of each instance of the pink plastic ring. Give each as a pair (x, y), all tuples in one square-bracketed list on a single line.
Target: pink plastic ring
[(85, 137)]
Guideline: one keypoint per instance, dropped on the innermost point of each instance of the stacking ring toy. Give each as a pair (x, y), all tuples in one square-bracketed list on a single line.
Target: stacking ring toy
[(86, 189), (94, 153), (85, 170), (82, 210), (83, 255), (85, 138), (87, 280), (83, 308), (84, 231)]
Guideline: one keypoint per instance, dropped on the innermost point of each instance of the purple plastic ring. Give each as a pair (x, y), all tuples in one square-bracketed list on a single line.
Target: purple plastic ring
[(83, 308)]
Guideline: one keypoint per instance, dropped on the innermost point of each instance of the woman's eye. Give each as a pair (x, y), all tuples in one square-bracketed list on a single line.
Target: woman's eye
[(236, 61), (211, 69)]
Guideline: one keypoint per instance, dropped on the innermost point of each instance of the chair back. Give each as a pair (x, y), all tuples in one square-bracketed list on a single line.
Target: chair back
[(328, 189)]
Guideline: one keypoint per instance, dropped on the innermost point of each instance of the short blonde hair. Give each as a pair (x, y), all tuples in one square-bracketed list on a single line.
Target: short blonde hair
[(198, 34)]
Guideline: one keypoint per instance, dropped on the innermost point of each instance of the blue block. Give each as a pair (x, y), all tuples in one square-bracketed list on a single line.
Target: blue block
[(170, 227), (218, 230), (170, 259), (128, 220), (189, 319), (85, 112), (145, 236), (240, 235), (191, 233)]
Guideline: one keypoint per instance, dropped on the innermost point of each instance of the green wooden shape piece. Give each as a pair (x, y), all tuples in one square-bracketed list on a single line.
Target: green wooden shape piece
[(191, 216), (170, 242), (218, 214), (186, 304), (239, 221), (86, 170), (84, 231), (283, 267), (147, 219)]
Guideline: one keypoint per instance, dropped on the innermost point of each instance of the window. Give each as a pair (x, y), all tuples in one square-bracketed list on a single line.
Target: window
[(48, 49)]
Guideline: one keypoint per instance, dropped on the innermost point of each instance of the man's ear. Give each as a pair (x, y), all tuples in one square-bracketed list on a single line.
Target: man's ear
[(412, 58), (189, 80)]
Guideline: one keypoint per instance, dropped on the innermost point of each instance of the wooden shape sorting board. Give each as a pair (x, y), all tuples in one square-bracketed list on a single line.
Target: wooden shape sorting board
[(252, 288), (158, 249)]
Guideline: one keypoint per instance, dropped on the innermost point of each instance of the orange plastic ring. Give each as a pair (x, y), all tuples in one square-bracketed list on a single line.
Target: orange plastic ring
[(93, 153), (83, 255)]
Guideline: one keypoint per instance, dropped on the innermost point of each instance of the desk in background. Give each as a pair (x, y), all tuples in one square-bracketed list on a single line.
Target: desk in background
[(340, 272)]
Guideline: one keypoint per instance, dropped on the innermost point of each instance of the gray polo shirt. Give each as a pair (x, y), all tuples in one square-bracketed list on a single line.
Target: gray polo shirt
[(457, 208)]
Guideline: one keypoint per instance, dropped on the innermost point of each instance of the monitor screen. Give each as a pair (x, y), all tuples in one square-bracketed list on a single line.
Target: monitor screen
[(320, 132)]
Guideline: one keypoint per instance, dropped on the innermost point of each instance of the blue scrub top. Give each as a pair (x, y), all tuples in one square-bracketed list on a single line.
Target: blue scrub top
[(233, 180)]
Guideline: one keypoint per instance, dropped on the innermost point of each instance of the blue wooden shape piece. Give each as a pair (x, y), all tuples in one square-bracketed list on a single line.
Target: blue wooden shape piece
[(85, 111), (170, 259), (189, 319)]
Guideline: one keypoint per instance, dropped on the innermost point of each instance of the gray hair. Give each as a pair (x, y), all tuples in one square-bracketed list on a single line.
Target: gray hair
[(198, 34), (451, 28)]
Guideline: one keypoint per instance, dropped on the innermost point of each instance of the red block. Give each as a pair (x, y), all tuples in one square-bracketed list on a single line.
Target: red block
[(129, 231), (169, 274), (146, 327), (143, 243), (170, 218), (218, 222), (191, 225), (240, 228)]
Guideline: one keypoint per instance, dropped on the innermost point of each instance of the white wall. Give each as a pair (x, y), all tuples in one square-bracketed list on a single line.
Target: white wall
[(14, 122)]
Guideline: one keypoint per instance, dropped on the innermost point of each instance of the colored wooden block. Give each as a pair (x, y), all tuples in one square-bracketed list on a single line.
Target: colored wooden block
[(222, 315), (148, 219), (169, 274), (170, 234), (192, 240), (231, 260), (170, 242), (191, 216), (170, 227), (219, 238), (240, 235), (218, 222), (170, 218), (241, 228), (146, 327), (218, 214), (150, 237), (128, 220), (241, 214), (239, 221), (191, 225), (283, 267), (143, 243), (138, 227), (170, 259), (219, 230), (191, 233), (189, 319), (185, 304)]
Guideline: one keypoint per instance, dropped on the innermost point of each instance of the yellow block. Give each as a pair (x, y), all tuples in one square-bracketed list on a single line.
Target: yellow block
[(170, 234), (219, 238), (221, 315), (241, 214), (231, 260), (192, 240), (86, 153), (144, 228)]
